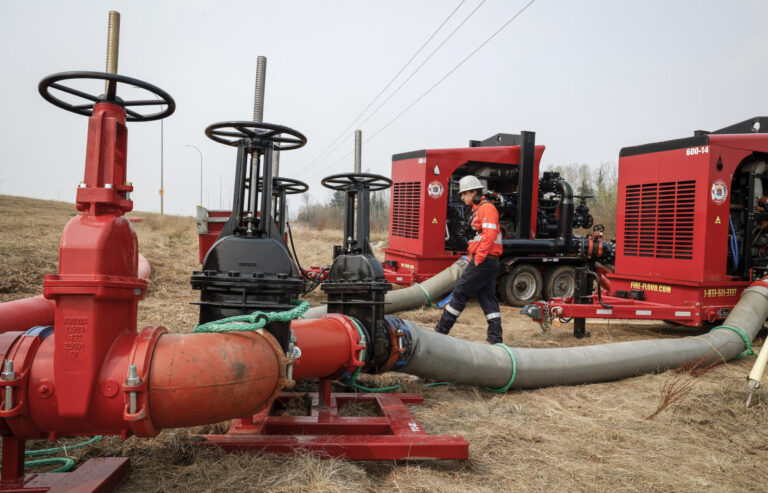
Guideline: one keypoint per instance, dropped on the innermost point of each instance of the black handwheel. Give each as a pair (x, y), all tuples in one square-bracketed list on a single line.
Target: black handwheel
[(290, 185), (54, 82), (231, 133), (599, 228), (344, 180)]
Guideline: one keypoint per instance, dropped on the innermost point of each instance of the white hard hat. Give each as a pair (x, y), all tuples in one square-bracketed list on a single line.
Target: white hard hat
[(469, 182)]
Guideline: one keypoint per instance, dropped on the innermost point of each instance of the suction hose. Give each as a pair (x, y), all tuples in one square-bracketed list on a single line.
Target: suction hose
[(415, 296), (443, 358)]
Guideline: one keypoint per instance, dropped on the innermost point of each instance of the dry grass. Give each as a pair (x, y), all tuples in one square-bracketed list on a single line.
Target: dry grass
[(583, 438), (680, 384)]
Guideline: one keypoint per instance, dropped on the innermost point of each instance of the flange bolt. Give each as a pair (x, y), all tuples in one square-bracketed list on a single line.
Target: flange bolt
[(8, 374), (133, 380)]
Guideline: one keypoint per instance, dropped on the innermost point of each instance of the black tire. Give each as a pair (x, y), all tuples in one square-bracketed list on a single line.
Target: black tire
[(522, 286), (561, 283)]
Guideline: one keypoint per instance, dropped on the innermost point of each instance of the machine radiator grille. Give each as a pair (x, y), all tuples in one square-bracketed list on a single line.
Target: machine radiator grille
[(659, 220), (406, 204)]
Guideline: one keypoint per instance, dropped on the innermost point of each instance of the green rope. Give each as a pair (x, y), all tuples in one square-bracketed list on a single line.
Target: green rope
[(378, 390), (255, 321), (67, 464), (747, 343), (63, 448), (437, 384), (429, 298), (506, 387)]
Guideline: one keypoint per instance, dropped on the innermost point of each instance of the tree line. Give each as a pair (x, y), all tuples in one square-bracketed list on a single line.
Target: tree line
[(331, 214)]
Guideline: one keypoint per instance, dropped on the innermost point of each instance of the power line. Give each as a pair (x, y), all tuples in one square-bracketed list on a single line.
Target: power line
[(344, 132), (404, 82), (422, 63), (452, 70), (503, 26)]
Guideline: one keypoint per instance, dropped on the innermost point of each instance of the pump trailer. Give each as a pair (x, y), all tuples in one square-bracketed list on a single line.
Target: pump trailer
[(428, 232)]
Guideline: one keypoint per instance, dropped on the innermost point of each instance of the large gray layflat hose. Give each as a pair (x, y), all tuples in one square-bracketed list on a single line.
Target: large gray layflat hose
[(443, 358), (415, 296)]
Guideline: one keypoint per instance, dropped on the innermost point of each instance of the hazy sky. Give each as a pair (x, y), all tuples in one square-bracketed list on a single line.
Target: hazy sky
[(589, 77)]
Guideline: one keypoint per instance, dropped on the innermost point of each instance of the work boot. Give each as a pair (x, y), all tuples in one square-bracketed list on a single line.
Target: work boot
[(494, 332), (446, 323)]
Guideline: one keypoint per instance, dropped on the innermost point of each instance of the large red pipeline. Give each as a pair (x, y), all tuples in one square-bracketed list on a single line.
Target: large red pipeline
[(183, 380), (26, 313)]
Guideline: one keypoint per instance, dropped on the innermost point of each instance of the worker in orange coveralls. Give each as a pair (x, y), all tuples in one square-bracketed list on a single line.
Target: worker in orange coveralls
[(479, 278)]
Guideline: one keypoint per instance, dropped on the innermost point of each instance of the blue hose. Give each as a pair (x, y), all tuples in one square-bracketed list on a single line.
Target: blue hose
[(734, 244)]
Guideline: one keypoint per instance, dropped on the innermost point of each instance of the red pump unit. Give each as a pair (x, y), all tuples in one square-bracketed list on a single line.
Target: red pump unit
[(422, 238), (429, 228), (692, 230)]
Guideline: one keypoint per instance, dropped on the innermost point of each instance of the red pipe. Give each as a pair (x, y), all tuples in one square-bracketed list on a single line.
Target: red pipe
[(330, 347), (183, 380), (191, 379), (144, 270), (26, 313), (207, 378)]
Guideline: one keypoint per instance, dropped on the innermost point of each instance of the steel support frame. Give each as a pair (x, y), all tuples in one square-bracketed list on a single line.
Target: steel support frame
[(95, 475), (392, 435), (629, 309)]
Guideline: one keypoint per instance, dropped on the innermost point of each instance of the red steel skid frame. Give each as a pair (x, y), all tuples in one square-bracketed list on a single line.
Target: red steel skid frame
[(392, 435), (630, 309)]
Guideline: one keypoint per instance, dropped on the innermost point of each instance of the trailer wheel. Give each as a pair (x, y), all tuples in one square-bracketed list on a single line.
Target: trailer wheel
[(561, 282), (522, 286)]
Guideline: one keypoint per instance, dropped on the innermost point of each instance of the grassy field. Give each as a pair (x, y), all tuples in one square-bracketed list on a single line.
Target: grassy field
[(586, 438)]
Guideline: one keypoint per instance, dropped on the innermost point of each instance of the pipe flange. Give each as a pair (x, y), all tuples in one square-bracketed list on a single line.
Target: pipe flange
[(282, 381), (23, 348), (400, 344), (140, 421), (356, 348)]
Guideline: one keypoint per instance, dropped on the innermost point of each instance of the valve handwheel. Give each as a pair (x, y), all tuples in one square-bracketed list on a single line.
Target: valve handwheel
[(231, 133), (345, 180), (54, 82), (290, 185)]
